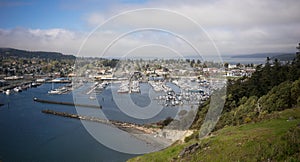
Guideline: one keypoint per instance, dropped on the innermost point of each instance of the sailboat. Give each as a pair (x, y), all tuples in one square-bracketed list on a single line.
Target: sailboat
[(53, 91)]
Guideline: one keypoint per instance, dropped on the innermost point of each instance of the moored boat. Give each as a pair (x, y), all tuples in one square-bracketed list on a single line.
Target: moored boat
[(17, 89), (7, 92), (54, 91)]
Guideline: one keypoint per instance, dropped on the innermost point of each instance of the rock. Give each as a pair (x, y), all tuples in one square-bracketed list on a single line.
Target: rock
[(291, 118), (239, 144), (188, 150)]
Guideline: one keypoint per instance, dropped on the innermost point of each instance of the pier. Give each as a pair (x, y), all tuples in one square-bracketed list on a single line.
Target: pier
[(67, 103)]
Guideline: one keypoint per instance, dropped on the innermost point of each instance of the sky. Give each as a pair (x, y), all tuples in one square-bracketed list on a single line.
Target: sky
[(152, 28)]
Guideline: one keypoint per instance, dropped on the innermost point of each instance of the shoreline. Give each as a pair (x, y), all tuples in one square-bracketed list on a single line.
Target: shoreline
[(159, 138), (128, 127)]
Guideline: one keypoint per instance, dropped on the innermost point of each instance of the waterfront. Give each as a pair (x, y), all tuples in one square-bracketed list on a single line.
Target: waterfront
[(33, 135), (29, 135), (142, 98)]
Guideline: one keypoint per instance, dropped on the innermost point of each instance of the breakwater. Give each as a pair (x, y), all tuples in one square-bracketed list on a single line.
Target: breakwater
[(67, 103), (129, 127)]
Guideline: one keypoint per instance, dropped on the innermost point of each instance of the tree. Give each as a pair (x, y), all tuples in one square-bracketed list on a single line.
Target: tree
[(274, 72), (279, 98), (295, 91), (192, 63), (226, 65)]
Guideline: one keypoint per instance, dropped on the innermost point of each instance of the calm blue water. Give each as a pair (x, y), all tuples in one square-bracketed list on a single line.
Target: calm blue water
[(232, 60), (26, 134)]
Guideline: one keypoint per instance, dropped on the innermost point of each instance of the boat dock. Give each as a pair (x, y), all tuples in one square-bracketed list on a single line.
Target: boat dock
[(159, 86), (129, 87), (97, 87), (21, 85)]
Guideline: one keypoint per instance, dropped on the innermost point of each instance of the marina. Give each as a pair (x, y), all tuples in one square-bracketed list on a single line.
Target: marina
[(25, 126), (18, 86), (125, 101), (157, 81), (45, 102)]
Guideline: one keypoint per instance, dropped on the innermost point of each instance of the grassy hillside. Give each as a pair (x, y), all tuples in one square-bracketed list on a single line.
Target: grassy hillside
[(256, 123), (276, 138)]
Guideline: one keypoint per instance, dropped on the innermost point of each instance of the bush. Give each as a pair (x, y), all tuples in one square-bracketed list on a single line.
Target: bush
[(195, 135), (295, 91), (247, 120), (279, 98)]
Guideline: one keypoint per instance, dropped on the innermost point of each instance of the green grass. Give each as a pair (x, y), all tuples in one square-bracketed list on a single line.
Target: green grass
[(163, 155), (275, 139)]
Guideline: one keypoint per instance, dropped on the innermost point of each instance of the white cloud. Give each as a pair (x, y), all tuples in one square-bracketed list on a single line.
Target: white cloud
[(59, 40), (247, 26), (236, 26)]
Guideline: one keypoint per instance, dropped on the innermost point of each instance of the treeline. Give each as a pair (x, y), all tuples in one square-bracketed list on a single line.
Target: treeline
[(273, 87), (10, 52), (262, 81)]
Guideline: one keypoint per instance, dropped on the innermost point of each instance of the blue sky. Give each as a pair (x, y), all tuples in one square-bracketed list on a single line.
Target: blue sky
[(236, 27), (39, 14), (52, 14)]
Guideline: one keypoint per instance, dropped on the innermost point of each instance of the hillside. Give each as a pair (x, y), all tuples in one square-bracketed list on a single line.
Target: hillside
[(260, 121), (284, 57), (10, 52), (277, 138)]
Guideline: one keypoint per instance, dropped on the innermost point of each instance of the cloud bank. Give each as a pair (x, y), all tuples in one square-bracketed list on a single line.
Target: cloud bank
[(236, 27)]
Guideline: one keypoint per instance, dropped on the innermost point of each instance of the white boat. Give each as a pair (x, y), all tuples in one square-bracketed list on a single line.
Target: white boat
[(40, 80), (34, 84), (54, 91), (7, 92), (18, 89), (92, 98), (123, 90)]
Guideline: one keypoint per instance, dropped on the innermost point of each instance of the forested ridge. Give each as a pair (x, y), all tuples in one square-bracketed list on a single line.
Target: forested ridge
[(10, 52), (274, 86)]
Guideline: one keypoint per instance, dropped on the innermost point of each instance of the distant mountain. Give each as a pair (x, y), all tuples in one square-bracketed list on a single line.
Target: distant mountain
[(284, 57), (10, 52), (261, 55)]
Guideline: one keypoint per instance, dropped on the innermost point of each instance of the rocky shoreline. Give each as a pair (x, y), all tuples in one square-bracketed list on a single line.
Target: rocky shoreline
[(128, 127)]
